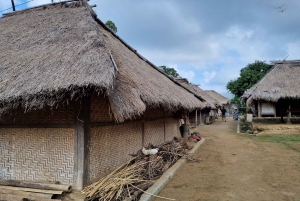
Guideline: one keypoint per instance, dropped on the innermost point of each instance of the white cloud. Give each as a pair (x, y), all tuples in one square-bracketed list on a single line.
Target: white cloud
[(208, 76), (238, 33)]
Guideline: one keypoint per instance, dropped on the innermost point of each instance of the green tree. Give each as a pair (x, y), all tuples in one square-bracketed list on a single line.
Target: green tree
[(111, 26), (249, 75), (169, 71)]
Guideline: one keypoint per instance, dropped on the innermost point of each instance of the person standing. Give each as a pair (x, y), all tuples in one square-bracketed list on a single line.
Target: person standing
[(235, 114), (223, 111)]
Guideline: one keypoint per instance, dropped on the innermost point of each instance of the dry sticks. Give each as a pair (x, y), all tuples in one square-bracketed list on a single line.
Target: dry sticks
[(134, 177)]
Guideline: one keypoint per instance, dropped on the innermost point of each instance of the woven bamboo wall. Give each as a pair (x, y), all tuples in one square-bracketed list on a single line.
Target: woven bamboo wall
[(110, 146), (172, 128), (61, 115), (37, 154), (154, 132), (100, 110)]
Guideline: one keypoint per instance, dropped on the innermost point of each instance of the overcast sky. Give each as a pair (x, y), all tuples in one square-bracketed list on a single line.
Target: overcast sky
[(206, 41)]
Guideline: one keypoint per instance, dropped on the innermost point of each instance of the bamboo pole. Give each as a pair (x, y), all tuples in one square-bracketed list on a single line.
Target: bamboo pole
[(24, 193), (32, 184), (7, 197), (32, 190)]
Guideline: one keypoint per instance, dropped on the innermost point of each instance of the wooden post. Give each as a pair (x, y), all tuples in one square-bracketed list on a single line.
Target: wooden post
[(82, 140), (259, 109), (288, 121), (196, 119)]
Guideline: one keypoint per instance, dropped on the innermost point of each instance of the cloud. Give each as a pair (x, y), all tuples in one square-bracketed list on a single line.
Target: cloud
[(208, 76)]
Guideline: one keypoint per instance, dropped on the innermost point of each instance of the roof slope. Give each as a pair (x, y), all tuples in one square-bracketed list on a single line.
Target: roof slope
[(218, 97), (56, 52), (282, 81), (209, 102)]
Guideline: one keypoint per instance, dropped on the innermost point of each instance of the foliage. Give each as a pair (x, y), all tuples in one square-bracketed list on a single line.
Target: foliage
[(238, 102), (111, 26), (245, 126), (169, 71), (249, 76)]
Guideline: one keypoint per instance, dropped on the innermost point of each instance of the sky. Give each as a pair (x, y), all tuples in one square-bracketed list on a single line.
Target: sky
[(206, 41)]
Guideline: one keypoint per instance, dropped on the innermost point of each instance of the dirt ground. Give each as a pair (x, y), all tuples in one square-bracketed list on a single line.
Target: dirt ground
[(236, 167)]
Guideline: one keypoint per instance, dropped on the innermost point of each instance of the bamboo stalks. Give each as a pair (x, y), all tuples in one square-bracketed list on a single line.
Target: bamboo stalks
[(132, 178)]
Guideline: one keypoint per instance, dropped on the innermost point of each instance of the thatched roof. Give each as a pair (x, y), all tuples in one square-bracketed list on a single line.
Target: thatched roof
[(56, 52), (209, 102), (218, 97), (281, 82)]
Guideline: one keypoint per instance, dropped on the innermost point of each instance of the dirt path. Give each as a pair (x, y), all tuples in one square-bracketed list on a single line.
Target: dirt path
[(235, 167)]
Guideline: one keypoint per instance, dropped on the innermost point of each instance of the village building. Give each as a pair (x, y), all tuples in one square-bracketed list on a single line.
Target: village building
[(75, 99), (223, 101), (276, 94), (208, 112)]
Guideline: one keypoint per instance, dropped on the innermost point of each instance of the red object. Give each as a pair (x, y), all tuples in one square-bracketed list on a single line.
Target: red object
[(196, 137)]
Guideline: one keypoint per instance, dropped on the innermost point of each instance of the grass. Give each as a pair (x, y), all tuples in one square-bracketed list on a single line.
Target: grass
[(290, 141)]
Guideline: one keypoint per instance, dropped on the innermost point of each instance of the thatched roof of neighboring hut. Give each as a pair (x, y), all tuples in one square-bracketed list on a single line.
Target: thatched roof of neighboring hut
[(218, 97), (54, 53), (281, 82), (209, 102)]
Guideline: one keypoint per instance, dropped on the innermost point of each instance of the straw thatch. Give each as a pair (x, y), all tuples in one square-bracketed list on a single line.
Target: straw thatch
[(218, 97), (53, 53), (209, 102), (281, 82)]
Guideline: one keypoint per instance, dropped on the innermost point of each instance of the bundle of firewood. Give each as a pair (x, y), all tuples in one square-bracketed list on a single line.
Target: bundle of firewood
[(132, 178)]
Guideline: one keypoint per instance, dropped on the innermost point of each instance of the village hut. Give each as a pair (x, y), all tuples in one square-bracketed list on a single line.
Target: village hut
[(208, 112), (75, 99), (223, 101), (276, 93)]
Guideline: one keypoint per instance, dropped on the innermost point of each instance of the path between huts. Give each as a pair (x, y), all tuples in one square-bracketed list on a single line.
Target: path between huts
[(236, 167)]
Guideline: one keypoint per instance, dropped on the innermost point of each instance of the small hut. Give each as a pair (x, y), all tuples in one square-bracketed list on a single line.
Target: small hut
[(223, 101), (276, 93), (75, 99), (208, 112)]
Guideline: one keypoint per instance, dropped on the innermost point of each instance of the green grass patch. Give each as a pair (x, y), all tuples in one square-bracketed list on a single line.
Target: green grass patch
[(290, 141), (278, 139)]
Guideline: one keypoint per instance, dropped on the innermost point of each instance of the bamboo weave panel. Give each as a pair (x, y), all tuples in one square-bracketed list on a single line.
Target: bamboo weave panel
[(37, 154), (110, 146), (172, 128), (100, 109), (63, 114), (154, 132)]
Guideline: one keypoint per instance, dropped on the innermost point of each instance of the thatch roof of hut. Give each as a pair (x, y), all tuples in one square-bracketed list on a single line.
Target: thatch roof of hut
[(53, 53), (281, 82), (209, 102), (218, 97)]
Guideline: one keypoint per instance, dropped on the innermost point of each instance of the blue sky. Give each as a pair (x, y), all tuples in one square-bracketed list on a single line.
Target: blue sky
[(207, 42)]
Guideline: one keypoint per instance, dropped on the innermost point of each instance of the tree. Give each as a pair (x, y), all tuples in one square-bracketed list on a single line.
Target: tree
[(111, 26), (249, 76), (169, 71)]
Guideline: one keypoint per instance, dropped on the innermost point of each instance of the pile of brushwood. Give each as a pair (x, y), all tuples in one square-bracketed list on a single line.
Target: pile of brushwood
[(134, 177)]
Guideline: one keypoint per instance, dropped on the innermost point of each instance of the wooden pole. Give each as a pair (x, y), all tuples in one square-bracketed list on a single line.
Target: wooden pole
[(83, 139), (259, 109), (13, 5), (164, 126), (143, 131), (32, 184)]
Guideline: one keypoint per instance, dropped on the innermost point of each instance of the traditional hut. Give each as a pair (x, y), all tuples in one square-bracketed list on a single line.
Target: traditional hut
[(223, 101), (75, 99), (208, 112), (276, 93)]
